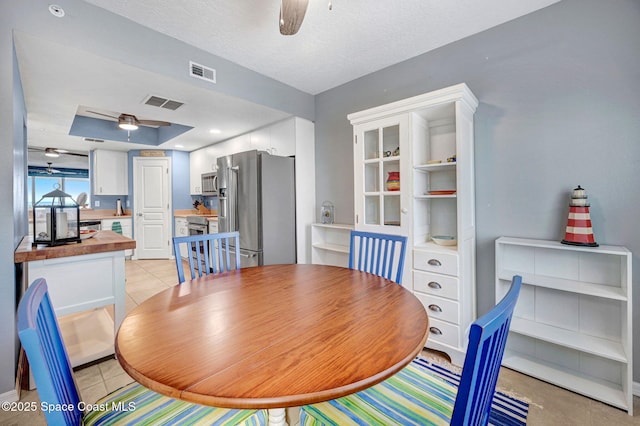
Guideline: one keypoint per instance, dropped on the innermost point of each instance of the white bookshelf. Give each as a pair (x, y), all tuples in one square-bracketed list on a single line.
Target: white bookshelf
[(573, 322), (330, 244)]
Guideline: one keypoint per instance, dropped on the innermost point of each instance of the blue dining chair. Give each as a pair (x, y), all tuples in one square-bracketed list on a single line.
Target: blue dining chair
[(379, 254), (208, 253), (39, 333), (416, 397)]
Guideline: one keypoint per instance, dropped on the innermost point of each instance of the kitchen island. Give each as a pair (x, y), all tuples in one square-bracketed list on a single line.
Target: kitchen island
[(83, 279)]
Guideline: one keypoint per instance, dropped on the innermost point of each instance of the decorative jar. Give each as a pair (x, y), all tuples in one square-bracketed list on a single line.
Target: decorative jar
[(393, 181)]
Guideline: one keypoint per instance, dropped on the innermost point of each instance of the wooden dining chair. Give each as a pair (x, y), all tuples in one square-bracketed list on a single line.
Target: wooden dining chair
[(379, 254), (39, 333), (416, 397), (208, 253)]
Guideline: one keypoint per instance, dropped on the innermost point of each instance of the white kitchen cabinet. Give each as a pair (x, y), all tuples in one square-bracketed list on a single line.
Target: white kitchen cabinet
[(330, 244), (277, 139), (416, 137), (572, 325), (182, 230), (283, 138), (110, 172), (127, 229), (213, 226)]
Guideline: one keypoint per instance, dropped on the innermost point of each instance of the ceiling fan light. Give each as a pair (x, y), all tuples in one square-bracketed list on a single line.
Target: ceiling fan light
[(51, 153), (127, 123)]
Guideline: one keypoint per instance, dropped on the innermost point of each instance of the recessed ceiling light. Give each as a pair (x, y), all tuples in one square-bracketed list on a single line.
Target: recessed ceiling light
[(215, 131), (56, 10), (179, 146)]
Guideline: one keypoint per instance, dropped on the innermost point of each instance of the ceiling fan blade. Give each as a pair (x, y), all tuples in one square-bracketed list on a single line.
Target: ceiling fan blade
[(77, 154), (291, 15), (104, 115), (153, 123)]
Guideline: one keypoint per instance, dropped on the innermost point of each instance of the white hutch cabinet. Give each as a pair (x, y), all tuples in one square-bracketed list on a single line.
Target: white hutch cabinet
[(428, 139), (572, 325)]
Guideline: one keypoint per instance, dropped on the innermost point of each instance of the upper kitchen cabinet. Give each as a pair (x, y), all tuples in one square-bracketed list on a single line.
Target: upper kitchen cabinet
[(414, 176), (277, 139), (110, 172)]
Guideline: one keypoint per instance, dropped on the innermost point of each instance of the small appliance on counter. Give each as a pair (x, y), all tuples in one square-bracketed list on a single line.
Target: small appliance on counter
[(119, 211)]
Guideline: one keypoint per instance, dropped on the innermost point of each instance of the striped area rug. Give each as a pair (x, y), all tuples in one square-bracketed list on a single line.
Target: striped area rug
[(423, 393), (505, 410)]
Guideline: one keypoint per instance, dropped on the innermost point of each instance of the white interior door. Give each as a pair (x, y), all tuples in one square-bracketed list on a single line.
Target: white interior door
[(152, 207)]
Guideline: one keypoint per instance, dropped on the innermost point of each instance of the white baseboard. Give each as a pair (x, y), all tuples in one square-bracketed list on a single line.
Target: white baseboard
[(11, 396)]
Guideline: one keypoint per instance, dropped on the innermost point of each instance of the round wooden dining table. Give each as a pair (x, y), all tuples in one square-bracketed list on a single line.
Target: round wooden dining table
[(272, 336)]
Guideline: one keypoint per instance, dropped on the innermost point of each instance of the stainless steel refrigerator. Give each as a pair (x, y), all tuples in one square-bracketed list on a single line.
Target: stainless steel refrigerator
[(256, 195)]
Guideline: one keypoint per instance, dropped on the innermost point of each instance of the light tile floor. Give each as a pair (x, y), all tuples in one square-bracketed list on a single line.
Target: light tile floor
[(549, 405)]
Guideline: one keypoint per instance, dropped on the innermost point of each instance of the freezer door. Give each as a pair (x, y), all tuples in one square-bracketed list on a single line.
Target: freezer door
[(278, 209)]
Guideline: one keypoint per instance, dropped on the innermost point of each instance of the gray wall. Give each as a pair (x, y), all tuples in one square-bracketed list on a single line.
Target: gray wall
[(559, 94), (13, 216)]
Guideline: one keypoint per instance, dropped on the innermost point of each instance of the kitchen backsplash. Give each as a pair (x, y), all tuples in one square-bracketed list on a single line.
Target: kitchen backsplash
[(106, 202)]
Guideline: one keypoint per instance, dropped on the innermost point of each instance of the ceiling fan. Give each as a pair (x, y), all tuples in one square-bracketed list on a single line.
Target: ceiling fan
[(50, 170), (131, 122), (291, 15), (55, 152)]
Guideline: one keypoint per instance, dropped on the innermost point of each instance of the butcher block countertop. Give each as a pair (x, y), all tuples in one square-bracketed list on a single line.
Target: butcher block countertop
[(200, 211), (104, 241)]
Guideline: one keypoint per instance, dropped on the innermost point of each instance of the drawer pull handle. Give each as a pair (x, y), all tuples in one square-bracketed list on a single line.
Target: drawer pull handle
[(435, 308), (434, 262), (434, 285), (435, 330)]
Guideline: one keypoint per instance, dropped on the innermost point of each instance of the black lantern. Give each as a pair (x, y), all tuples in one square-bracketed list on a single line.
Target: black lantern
[(56, 219)]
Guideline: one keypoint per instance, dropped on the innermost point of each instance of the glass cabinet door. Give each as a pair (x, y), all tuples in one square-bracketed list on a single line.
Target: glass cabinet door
[(378, 179)]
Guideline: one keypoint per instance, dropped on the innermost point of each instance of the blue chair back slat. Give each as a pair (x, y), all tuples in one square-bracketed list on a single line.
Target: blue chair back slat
[(487, 340), (41, 339), (379, 254), (208, 253)]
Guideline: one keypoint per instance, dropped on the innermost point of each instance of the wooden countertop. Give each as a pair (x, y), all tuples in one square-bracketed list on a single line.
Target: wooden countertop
[(200, 211), (104, 241), (91, 214)]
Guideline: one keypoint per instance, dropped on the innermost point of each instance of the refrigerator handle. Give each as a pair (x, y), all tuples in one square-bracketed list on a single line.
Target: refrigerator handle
[(232, 214)]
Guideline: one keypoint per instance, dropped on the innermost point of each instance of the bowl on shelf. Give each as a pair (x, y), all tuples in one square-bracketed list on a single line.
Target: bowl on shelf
[(87, 233), (444, 240)]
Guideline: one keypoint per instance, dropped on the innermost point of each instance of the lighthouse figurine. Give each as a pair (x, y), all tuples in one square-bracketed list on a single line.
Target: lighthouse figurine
[(579, 231)]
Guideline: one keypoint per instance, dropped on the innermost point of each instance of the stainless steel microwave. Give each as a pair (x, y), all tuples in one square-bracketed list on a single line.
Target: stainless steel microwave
[(209, 184)]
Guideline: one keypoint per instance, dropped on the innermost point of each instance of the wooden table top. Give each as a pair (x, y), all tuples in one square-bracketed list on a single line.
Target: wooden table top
[(272, 336), (104, 241)]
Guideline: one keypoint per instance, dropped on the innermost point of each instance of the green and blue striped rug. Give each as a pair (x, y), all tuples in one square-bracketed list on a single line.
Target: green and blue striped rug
[(505, 410), (423, 393)]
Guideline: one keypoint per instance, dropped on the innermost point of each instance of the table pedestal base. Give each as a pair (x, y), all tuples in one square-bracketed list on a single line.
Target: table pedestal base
[(277, 417)]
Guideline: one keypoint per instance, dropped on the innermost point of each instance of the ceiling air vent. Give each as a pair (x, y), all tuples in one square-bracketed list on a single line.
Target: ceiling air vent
[(93, 140), (200, 71), (160, 102)]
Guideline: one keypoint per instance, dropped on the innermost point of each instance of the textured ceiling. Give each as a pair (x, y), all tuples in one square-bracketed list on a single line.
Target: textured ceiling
[(355, 38), (332, 47)]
